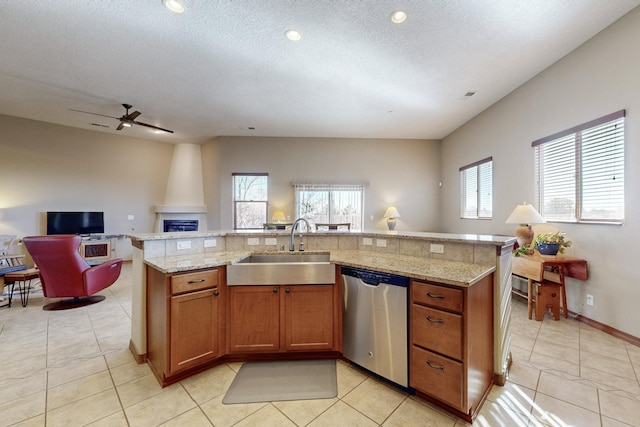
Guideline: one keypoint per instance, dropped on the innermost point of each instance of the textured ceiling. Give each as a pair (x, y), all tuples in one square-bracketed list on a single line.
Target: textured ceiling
[(224, 67)]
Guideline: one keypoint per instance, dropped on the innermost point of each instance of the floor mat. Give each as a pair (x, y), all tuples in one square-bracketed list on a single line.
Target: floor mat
[(283, 380)]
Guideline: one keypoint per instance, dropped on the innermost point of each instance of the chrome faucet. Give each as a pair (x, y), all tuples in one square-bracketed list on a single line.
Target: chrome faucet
[(293, 232)]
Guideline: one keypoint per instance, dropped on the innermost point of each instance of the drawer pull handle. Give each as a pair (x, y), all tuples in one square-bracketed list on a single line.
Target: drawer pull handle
[(429, 294), (438, 321), (438, 367), (191, 282)]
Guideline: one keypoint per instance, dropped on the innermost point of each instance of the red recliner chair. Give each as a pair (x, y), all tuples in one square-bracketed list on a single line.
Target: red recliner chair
[(64, 273)]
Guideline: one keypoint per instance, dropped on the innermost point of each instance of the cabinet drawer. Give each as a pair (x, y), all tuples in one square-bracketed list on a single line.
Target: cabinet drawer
[(190, 282), (437, 330), (437, 376), (436, 296)]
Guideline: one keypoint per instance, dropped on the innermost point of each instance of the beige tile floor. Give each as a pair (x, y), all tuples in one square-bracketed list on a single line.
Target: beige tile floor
[(73, 368)]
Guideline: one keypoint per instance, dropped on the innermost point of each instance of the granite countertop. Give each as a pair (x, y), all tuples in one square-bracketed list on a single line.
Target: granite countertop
[(443, 271)]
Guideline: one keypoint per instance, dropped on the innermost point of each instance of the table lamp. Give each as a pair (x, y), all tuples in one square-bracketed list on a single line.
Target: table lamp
[(525, 215), (391, 214), (278, 217)]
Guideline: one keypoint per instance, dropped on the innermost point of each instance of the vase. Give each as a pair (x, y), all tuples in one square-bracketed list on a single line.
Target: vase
[(548, 248)]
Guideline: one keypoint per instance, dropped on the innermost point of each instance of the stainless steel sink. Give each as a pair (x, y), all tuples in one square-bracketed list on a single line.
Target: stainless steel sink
[(282, 269)]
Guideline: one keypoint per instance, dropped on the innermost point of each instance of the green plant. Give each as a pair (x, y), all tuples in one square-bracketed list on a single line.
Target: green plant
[(558, 237)]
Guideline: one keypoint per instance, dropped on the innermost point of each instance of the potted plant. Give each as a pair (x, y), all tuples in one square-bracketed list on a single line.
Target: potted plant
[(552, 243)]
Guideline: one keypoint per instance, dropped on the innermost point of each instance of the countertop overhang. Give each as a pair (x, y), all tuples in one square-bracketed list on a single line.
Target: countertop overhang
[(443, 271)]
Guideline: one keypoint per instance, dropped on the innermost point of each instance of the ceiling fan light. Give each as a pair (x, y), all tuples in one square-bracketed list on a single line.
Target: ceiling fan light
[(175, 6), (127, 125), (398, 17)]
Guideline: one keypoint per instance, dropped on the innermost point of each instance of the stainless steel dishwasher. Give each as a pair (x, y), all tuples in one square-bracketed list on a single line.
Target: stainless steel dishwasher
[(374, 322)]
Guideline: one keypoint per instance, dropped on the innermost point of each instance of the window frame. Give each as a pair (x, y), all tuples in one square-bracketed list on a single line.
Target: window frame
[(479, 168), (236, 202), (586, 180), (329, 188)]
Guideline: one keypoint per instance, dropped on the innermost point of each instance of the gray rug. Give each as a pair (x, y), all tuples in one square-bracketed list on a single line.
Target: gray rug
[(283, 380)]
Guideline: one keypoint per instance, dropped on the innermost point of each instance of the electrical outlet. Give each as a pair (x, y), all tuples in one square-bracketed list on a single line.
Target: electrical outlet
[(381, 243), (589, 299), (130, 217), (272, 241), (436, 249), (367, 241), (183, 244), (253, 241), (210, 243)]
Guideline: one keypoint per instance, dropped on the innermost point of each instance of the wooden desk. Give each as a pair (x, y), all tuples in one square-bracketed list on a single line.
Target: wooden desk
[(540, 268)]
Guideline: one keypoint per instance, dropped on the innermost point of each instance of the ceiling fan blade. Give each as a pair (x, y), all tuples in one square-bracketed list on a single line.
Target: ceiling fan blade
[(153, 127), (95, 114), (132, 116), (120, 126)]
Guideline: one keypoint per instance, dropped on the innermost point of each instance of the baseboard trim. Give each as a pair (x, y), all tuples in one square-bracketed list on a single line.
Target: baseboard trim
[(607, 329), (140, 358)]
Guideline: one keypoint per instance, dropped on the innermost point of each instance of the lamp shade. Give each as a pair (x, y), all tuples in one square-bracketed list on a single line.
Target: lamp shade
[(278, 216), (392, 212), (525, 214)]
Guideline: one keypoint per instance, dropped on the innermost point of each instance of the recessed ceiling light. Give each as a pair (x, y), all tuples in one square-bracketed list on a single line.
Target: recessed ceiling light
[(175, 6), (293, 35), (398, 17)]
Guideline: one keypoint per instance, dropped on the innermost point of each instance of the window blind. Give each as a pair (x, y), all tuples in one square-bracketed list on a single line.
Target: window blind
[(477, 189), (580, 172)]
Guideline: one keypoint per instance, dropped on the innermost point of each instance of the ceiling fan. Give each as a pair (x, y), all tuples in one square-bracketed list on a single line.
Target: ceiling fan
[(127, 119)]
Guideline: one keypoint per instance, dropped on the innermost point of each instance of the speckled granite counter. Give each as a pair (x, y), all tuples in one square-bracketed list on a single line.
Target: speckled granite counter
[(443, 271)]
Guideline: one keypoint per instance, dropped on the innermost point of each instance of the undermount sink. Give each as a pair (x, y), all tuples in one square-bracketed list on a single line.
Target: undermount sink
[(282, 269)]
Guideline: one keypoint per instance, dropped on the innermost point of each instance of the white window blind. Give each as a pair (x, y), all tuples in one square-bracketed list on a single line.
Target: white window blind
[(580, 172), (476, 182), (330, 203)]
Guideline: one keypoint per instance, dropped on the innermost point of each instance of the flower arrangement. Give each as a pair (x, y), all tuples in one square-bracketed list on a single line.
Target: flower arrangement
[(552, 239)]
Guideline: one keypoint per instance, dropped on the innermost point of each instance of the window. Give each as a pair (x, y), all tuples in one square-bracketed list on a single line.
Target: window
[(476, 181), (320, 203), (580, 172), (249, 200)]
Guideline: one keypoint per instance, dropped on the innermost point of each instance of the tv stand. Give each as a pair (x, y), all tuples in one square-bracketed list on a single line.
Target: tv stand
[(97, 248)]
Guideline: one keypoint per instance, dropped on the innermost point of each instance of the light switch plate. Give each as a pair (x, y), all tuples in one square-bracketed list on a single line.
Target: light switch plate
[(130, 217), (436, 249), (381, 243), (367, 241), (210, 243), (252, 241), (183, 244)]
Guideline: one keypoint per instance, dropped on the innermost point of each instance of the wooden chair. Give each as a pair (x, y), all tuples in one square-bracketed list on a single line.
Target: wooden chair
[(335, 226)]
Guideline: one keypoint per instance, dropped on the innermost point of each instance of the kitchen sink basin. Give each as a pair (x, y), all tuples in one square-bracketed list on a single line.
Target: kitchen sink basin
[(282, 269), (280, 258)]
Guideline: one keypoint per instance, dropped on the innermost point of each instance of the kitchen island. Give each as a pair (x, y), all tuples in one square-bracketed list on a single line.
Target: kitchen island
[(447, 261)]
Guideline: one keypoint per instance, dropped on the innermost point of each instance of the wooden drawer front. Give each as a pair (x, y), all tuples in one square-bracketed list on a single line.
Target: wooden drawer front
[(437, 376), (436, 296), (191, 282), (437, 330)]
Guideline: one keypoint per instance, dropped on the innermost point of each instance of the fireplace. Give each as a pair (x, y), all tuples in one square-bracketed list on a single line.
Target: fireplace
[(171, 225)]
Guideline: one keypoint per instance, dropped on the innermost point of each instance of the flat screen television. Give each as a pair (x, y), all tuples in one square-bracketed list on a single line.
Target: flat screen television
[(75, 222)]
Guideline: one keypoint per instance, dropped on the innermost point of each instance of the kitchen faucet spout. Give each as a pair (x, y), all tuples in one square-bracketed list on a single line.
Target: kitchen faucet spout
[(293, 232)]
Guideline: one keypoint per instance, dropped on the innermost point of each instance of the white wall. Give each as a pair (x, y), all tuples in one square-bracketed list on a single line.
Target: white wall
[(404, 173), (46, 167), (600, 77)]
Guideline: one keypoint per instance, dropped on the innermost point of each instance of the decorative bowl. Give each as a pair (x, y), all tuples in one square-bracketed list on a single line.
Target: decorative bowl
[(548, 248)]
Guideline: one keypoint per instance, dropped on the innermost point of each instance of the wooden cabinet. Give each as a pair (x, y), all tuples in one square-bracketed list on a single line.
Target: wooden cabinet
[(451, 357), (183, 320), (282, 318)]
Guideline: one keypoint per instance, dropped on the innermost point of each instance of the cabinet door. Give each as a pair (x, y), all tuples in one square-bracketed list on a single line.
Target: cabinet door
[(308, 317), (194, 329), (254, 313)]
